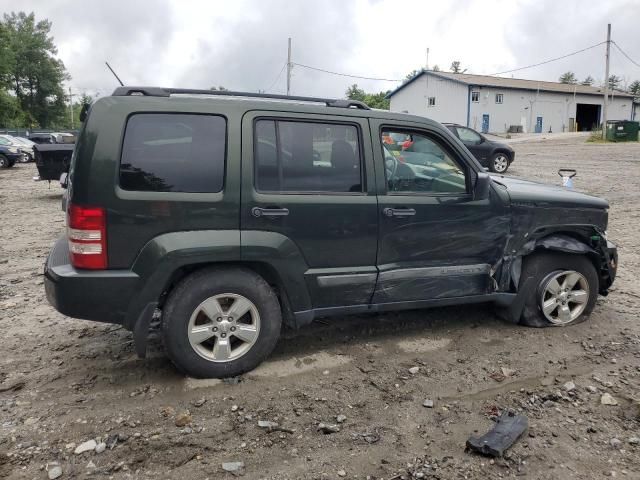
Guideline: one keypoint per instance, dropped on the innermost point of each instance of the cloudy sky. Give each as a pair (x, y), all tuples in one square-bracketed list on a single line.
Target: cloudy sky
[(242, 44)]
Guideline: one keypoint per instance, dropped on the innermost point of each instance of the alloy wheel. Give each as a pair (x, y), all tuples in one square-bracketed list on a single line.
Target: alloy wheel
[(500, 163), (565, 295), (224, 327)]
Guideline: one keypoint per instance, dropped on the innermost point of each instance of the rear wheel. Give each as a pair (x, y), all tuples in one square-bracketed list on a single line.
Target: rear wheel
[(499, 162), (565, 293), (221, 322)]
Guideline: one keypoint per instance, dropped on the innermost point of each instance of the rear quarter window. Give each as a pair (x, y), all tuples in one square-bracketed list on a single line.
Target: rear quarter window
[(165, 152)]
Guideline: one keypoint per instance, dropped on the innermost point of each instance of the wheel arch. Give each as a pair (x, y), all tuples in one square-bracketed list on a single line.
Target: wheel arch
[(562, 241), (507, 152), (268, 272)]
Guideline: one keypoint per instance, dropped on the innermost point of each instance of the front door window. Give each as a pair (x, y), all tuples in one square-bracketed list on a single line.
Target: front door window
[(420, 165)]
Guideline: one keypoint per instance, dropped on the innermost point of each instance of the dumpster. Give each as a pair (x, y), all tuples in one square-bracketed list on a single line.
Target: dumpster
[(622, 131)]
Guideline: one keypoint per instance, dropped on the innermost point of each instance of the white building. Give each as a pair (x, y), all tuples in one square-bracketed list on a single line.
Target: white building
[(495, 104)]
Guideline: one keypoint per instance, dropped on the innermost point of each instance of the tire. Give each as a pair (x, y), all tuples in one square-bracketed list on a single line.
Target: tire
[(546, 268), (25, 158), (499, 162), (4, 162), (217, 290)]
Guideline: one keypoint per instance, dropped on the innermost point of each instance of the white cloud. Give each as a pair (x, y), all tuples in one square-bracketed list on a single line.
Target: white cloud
[(241, 44)]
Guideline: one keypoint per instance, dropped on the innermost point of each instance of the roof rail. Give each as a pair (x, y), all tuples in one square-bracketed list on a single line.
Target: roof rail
[(167, 92)]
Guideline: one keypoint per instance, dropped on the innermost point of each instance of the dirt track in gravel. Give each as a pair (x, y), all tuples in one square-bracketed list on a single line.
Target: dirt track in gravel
[(64, 381)]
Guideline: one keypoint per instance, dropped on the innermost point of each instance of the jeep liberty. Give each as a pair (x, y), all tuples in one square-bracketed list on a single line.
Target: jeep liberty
[(227, 215)]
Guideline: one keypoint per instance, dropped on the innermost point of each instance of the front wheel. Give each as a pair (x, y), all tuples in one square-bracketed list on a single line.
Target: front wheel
[(4, 162), (499, 163), (566, 289), (221, 322)]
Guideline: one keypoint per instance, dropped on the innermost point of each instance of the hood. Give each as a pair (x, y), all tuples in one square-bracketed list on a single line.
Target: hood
[(504, 146), (526, 192)]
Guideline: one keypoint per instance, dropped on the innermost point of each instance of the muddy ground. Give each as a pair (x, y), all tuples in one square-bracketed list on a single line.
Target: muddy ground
[(64, 382)]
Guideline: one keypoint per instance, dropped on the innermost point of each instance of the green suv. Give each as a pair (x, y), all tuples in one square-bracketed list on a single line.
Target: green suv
[(227, 215)]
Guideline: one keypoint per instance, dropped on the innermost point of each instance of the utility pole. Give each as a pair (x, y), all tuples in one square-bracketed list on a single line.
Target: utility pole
[(427, 66), (71, 106), (606, 84), (289, 66)]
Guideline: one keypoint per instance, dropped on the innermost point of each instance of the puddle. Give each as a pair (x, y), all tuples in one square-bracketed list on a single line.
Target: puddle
[(423, 345), (296, 365)]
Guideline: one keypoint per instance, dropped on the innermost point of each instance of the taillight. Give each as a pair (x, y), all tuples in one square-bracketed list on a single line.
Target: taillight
[(87, 234)]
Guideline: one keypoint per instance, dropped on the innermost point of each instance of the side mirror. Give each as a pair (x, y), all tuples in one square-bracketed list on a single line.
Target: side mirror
[(482, 186)]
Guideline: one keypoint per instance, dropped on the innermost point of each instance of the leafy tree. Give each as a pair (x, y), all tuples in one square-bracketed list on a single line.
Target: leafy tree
[(569, 77), (588, 81), (456, 68), (614, 81), (31, 71), (435, 68), (355, 93), (412, 75), (374, 100), (634, 88)]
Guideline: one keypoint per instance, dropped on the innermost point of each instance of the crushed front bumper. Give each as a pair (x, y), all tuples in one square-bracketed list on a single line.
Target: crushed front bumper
[(609, 267)]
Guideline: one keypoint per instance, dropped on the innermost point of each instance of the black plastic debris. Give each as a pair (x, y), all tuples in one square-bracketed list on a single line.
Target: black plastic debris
[(509, 427)]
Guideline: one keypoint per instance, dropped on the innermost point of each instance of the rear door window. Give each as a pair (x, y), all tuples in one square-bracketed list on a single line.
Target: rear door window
[(173, 153), (304, 157)]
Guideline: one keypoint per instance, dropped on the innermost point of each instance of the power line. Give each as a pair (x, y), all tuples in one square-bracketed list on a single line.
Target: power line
[(277, 78), (550, 60), (347, 75), (624, 53)]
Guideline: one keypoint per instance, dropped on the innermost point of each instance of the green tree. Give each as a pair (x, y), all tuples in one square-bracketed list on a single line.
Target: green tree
[(31, 71), (614, 81), (374, 100), (456, 68), (588, 81), (412, 74), (569, 77), (355, 93), (634, 88)]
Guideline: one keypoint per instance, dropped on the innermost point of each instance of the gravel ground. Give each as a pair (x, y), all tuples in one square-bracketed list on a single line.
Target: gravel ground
[(66, 382)]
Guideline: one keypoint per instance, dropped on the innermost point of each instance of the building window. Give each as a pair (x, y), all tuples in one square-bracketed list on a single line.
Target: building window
[(432, 101), (475, 97), (499, 97)]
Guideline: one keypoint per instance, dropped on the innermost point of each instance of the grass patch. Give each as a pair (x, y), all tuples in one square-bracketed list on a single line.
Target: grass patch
[(596, 137)]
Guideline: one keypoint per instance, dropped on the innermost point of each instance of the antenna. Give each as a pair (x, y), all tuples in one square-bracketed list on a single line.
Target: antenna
[(114, 74)]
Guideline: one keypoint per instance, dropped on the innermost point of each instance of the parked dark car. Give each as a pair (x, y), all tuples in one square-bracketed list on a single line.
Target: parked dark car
[(494, 155), (26, 147), (9, 155), (225, 215)]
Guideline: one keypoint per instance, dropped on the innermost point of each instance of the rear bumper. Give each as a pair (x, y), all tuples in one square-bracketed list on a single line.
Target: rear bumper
[(100, 295)]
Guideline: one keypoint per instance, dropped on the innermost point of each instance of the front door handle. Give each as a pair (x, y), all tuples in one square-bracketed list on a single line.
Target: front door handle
[(399, 212), (269, 212)]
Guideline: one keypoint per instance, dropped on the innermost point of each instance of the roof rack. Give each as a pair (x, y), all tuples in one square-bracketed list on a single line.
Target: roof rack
[(167, 92)]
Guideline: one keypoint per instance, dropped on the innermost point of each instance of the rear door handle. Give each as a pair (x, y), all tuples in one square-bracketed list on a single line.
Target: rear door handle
[(269, 212), (399, 212)]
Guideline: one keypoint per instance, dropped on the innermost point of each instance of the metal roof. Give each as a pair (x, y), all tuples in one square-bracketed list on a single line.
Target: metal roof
[(511, 83)]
